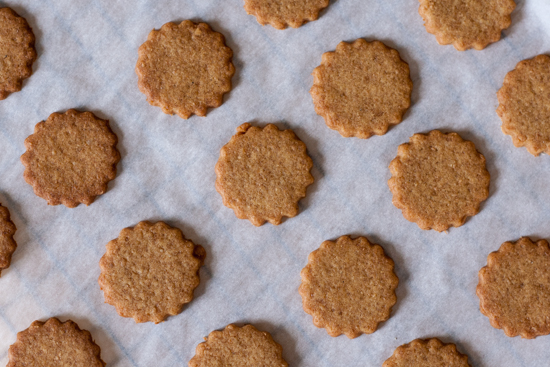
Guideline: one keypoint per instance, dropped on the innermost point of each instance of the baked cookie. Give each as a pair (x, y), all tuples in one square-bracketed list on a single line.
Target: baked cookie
[(7, 243), (238, 346), (54, 344), (466, 23), (514, 288), (262, 173), (283, 13), (16, 50), (362, 88), (525, 105), (150, 271), (438, 180), (348, 286), (70, 158), (185, 68), (427, 353)]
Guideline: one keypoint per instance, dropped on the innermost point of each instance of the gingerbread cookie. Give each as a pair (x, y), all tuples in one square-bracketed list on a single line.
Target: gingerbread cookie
[(427, 353), (525, 105), (362, 88), (150, 271), (262, 173), (283, 13), (348, 286), (7, 243), (17, 52), (185, 68), (514, 288), (467, 23), (438, 180), (54, 344), (70, 158), (238, 346)]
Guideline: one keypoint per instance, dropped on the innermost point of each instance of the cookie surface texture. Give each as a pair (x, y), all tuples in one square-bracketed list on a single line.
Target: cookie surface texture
[(438, 180), (185, 68), (362, 88), (514, 288), (262, 173), (150, 271), (7, 243), (238, 346), (70, 158), (283, 13), (16, 50), (427, 353), (53, 344), (348, 286), (524, 105), (468, 23)]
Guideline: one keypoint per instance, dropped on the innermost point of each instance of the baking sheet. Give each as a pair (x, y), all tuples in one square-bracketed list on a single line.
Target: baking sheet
[(87, 52)]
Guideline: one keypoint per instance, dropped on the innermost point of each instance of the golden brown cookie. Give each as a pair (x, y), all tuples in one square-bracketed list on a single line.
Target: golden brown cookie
[(427, 353), (262, 173), (150, 271), (185, 68), (17, 52), (283, 13), (238, 346), (514, 288), (466, 23), (525, 105), (362, 88), (70, 158), (348, 286), (438, 180), (7, 243), (54, 344)]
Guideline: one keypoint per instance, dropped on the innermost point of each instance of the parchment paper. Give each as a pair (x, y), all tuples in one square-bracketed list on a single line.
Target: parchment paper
[(87, 50)]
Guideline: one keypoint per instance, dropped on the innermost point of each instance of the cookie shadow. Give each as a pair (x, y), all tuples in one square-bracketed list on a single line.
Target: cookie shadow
[(467, 348), (280, 336)]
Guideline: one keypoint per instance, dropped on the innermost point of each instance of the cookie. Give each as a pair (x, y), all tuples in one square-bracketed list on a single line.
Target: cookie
[(362, 88), (348, 286), (262, 173), (238, 346), (70, 158), (427, 353), (53, 344), (524, 105), (283, 13), (17, 53), (514, 288), (150, 271), (466, 23), (185, 68), (7, 243), (438, 180)]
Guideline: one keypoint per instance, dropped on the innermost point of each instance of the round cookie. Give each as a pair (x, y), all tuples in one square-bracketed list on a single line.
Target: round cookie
[(467, 23), (348, 286), (427, 353), (438, 180), (283, 13), (70, 158), (524, 104), (53, 344), (185, 68), (150, 271), (238, 346), (7, 243), (17, 50), (362, 88), (262, 173), (514, 288)]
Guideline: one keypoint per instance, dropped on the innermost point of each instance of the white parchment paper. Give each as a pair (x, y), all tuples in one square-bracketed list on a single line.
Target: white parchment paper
[(87, 50)]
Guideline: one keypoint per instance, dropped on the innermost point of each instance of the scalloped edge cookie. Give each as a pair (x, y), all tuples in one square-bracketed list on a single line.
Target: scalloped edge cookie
[(7, 243), (289, 17), (447, 355)]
